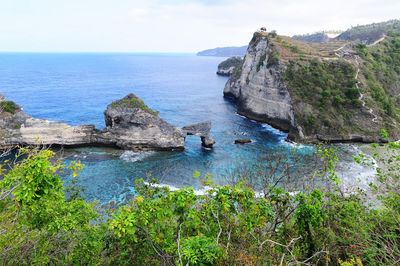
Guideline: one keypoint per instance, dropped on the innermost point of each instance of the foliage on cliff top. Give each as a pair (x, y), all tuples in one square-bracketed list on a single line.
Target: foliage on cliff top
[(8, 106), (231, 62), (291, 48), (132, 101)]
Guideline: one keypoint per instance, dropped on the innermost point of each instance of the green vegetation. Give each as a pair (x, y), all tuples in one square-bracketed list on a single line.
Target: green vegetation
[(132, 101), (237, 72), (231, 62), (261, 61), (44, 222), (9, 106), (370, 32), (293, 48), (273, 59), (273, 34), (381, 69), (326, 89)]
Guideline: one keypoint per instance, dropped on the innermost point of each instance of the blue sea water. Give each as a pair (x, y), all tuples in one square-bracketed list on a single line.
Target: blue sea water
[(76, 88)]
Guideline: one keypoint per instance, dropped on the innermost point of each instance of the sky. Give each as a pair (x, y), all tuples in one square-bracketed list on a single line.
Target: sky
[(171, 26)]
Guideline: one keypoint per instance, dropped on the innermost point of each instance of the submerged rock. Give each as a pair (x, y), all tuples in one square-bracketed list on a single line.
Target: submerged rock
[(242, 141)]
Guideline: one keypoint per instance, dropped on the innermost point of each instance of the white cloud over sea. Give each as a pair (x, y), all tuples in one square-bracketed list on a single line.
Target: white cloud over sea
[(171, 26)]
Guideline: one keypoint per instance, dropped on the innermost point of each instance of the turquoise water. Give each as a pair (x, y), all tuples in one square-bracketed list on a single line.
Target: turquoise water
[(76, 88)]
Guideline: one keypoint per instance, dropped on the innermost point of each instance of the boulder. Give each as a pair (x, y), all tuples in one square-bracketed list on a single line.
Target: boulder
[(242, 141)]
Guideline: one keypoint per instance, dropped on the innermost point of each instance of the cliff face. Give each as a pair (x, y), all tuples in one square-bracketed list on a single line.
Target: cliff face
[(22, 129), (259, 90), (316, 91)]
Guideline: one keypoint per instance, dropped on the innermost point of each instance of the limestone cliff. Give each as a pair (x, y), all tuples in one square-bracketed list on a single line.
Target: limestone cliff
[(319, 91), (259, 89), (22, 129)]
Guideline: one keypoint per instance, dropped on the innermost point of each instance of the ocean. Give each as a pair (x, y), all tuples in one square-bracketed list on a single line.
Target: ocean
[(76, 88)]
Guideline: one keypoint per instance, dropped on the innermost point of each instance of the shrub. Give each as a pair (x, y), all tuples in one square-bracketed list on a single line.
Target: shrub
[(273, 60), (352, 93), (9, 106), (227, 225), (273, 34)]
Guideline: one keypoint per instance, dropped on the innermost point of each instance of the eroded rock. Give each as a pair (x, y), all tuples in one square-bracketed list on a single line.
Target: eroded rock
[(130, 124), (201, 130)]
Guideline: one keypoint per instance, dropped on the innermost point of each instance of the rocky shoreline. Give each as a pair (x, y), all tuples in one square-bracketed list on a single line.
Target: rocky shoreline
[(130, 125)]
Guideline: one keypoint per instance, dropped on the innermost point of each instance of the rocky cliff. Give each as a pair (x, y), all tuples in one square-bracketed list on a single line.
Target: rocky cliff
[(18, 128), (130, 124), (259, 89), (316, 91), (228, 66)]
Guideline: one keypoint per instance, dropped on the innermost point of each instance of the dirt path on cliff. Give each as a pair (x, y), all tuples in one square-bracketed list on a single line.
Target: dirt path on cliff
[(377, 41), (370, 110), (362, 94)]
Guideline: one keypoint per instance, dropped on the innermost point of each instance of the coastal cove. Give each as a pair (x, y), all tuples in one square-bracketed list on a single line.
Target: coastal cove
[(76, 88)]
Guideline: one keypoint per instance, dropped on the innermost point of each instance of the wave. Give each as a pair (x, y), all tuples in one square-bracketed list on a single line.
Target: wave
[(130, 156), (355, 176)]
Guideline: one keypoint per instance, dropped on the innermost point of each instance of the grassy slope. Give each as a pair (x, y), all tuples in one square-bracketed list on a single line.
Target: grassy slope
[(323, 86)]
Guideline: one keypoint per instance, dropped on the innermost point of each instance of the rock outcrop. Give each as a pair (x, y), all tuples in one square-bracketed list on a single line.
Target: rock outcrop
[(130, 124), (259, 90), (227, 67), (22, 129), (201, 130)]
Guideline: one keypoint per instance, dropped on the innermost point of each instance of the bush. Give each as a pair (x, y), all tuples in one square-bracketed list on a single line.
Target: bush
[(9, 106), (273, 60), (352, 93), (273, 34), (228, 225)]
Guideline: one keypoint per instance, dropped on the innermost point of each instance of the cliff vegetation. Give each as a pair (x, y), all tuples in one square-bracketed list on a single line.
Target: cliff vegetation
[(132, 101), (229, 66), (324, 93), (8, 106)]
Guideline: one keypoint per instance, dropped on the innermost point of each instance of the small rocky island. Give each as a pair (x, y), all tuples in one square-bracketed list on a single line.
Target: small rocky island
[(227, 67), (130, 125)]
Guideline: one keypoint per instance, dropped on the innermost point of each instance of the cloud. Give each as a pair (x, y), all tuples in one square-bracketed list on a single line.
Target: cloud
[(172, 26)]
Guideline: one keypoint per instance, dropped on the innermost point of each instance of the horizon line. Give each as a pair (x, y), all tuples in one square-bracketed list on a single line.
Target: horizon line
[(89, 52)]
